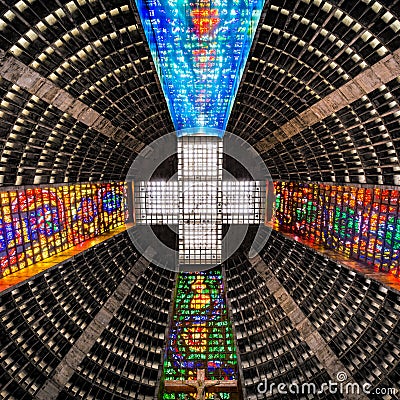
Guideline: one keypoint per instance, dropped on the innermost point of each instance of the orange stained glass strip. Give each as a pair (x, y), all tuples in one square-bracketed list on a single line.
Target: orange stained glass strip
[(34, 269)]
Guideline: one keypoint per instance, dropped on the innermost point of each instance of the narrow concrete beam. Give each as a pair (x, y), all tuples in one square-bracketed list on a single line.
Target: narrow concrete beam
[(64, 371), (28, 79), (367, 81), (307, 330)]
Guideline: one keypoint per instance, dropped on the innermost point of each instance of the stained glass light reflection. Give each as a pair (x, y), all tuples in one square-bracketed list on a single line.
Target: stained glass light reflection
[(200, 49)]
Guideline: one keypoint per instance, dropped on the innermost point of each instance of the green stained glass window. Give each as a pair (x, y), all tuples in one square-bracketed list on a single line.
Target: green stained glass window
[(200, 335)]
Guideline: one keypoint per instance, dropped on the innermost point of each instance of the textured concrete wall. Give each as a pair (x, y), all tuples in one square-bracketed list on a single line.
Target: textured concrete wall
[(64, 371), (367, 81), (25, 77), (307, 331)]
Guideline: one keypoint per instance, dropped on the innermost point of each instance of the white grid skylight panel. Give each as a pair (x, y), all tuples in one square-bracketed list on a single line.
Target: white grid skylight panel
[(198, 159), (199, 199), (200, 244), (157, 202), (243, 202), (199, 177), (199, 202)]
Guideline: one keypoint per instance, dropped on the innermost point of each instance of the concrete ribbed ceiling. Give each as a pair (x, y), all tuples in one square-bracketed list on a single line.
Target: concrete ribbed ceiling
[(95, 51)]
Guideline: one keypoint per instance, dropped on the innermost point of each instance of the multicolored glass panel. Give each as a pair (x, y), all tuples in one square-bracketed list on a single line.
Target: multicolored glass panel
[(200, 50), (39, 222), (200, 334), (361, 223)]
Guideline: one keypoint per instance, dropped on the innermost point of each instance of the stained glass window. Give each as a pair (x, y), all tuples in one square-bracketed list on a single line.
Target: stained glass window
[(200, 334), (361, 223), (200, 50), (39, 222)]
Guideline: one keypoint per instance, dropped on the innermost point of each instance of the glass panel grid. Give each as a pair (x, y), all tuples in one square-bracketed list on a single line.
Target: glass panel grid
[(361, 223), (36, 223), (243, 202), (200, 203), (157, 203), (200, 50), (200, 334)]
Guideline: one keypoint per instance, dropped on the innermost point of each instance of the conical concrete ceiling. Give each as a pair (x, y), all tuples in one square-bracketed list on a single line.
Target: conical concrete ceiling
[(80, 97), (304, 51)]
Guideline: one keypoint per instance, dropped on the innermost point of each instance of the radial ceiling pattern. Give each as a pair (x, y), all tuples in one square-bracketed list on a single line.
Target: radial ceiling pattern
[(96, 51), (305, 51)]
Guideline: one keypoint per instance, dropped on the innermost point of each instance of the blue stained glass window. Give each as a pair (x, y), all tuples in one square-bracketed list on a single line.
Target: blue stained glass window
[(200, 49)]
